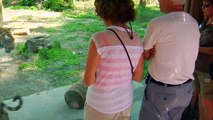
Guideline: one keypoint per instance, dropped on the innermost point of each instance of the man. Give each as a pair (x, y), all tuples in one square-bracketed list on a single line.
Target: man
[(174, 40)]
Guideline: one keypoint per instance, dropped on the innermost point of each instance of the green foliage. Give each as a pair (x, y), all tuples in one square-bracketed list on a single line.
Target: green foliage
[(56, 44), (54, 5), (21, 50), (148, 2), (81, 15), (24, 66), (28, 2), (59, 56), (58, 5), (145, 14), (24, 7), (89, 26), (52, 30), (45, 53), (59, 61), (65, 78)]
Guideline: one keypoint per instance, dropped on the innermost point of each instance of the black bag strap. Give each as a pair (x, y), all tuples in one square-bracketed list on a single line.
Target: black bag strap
[(124, 49)]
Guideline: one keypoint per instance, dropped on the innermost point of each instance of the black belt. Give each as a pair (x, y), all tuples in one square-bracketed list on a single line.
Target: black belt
[(151, 80)]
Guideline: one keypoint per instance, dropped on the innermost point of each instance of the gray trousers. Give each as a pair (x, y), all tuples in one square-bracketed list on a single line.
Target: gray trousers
[(165, 102)]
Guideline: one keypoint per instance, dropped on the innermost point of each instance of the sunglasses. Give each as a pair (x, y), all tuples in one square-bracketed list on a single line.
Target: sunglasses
[(205, 5)]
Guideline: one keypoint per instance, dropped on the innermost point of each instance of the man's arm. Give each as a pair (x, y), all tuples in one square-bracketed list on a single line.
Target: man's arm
[(206, 50)]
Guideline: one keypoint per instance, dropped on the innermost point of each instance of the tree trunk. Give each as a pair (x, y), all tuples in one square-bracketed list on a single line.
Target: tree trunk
[(1, 13), (194, 7), (75, 97)]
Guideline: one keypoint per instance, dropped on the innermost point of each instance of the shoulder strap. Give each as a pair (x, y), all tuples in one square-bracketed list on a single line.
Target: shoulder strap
[(124, 49)]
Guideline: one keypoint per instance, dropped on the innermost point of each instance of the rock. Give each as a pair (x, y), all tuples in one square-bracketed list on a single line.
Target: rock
[(37, 43)]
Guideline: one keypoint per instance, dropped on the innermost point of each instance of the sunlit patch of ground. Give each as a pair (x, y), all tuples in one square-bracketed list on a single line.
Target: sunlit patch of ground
[(31, 19), (8, 65)]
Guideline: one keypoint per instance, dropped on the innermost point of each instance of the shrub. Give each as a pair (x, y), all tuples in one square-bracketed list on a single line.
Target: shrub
[(54, 5), (29, 2), (21, 48), (58, 5)]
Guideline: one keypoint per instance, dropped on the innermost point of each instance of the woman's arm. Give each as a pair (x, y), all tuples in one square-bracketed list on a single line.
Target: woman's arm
[(91, 66), (149, 53), (206, 50), (138, 73)]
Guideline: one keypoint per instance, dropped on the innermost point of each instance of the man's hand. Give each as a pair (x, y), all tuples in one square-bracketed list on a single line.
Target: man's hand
[(152, 51)]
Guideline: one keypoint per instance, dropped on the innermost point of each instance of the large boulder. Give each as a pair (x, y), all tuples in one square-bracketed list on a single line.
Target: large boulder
[(37, 43)]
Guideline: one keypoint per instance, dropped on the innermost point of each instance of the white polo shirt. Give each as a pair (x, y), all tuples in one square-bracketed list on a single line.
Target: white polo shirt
[(176, 40)]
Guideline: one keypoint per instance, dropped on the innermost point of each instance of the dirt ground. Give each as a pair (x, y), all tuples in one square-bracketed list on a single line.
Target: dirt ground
[(12, 80)]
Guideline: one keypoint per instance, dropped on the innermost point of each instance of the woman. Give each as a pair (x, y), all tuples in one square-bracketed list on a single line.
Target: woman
[(109, 72), (204, 81)]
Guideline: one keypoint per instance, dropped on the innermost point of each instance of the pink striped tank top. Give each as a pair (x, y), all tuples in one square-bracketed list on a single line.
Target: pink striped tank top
[(113, 90)]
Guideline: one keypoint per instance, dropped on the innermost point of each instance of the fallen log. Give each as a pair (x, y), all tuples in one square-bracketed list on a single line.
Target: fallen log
[(21, 32), (76, 95)]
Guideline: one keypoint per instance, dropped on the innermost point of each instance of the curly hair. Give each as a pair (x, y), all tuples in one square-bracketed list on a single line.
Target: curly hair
[(115, 10)]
